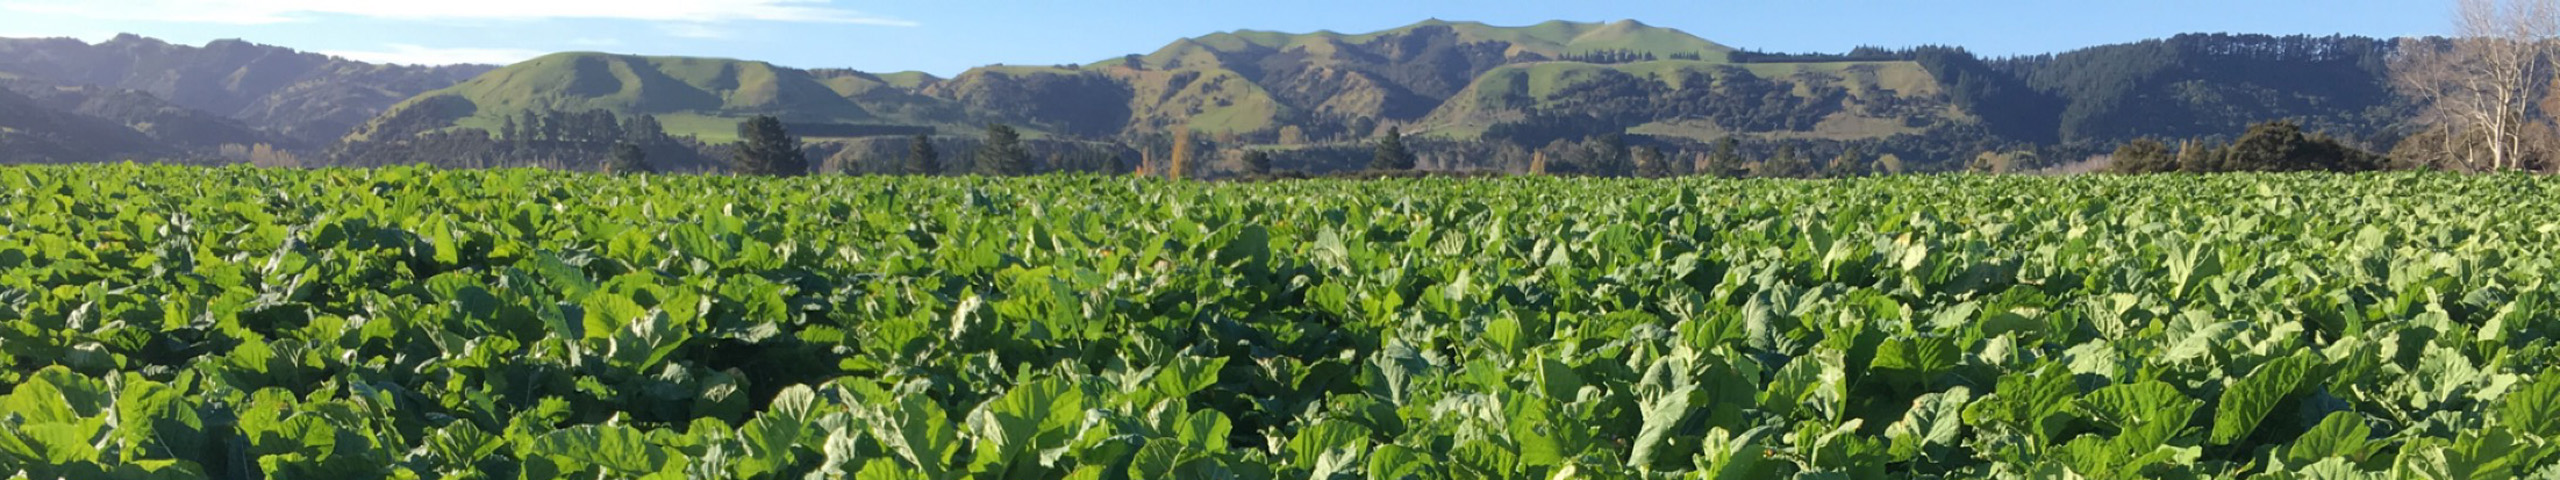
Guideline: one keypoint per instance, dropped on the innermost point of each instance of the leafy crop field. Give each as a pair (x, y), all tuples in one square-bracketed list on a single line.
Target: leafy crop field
[(409, 323)]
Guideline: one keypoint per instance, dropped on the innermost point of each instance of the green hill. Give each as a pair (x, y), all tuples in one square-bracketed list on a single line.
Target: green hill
[(704, 97), (307, 97), (1705, 100), (1328, 85), (1510, 86)]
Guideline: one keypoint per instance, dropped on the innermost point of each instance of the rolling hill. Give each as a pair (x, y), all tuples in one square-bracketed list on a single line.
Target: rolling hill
[(308, 96), (1474, 88), (693, 96), (31, 132), (164, 122), (1246, 82)]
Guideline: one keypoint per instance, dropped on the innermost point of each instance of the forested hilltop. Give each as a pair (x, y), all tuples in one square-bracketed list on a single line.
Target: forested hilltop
[(1620, 98)]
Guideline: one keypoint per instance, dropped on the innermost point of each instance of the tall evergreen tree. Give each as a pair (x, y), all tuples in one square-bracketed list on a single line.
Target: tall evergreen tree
[(2143, 156), (553, 127), (1786, 165), (922, 159), (531, 128), (764, 148), (1609, 156), (1651, 164), (1257, 162), (628, 158), (1003, 154), (1850, 163), (649, 126), (1391, 153), (1727, 159)]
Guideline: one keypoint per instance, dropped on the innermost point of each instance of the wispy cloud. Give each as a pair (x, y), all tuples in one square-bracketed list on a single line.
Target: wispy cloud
[(595, 42), (694, 30), (283, 11), (406, 54)]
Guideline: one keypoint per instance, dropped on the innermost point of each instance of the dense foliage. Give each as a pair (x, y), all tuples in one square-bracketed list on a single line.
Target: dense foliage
[(550, 139), (2266, 147), (2197, 85), (766, 148), (412, 323)]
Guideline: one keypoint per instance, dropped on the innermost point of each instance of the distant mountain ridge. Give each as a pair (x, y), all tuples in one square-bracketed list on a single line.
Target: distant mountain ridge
[(1442, 80), (304, 95)]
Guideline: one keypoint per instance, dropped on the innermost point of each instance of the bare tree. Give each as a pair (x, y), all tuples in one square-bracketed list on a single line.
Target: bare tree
[(2484, 83)]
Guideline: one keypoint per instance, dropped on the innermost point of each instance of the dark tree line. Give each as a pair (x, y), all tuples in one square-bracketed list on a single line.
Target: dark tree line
[(931, 156), (1860, 54), (855, 130), (1734, 100), (590, 140), (1613, 56), (2207, 84), (2281, 146)]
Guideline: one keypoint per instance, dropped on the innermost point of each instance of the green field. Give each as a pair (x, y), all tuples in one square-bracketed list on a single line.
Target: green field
[(163, 322)]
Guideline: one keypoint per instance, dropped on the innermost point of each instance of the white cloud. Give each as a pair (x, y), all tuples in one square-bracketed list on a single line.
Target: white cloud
[(405, 54), (694, 30), (281, 11), (595, 42)]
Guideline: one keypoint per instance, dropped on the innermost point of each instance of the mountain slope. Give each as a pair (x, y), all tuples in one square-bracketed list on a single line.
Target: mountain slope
[(304, 95), (703, 97), (32, 133), (2201, 85), (1324, 83), (1698, 100), (167, 123), (1320, 86)]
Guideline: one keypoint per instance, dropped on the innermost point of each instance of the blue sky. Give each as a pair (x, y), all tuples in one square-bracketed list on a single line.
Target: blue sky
[(948, 36)]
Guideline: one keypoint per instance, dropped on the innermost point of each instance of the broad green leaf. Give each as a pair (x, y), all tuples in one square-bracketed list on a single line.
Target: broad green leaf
[(2248, 401), (2534, 409), (1935, 420), (1663, 415), (2342, 435), (1187, 375), (1395, 462), (1322, 448), (619, 449)]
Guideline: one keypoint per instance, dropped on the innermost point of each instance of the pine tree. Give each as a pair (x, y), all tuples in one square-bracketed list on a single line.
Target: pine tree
[(1003, 154), (2143, 156), (1786, 165), (922, 159), (650, 127), (764, 148), (1651, 164), (1850, 163), (1391, 153), (531, 128), (628, 158), (1727, 160), (553, 127), (1609, 156), (1257, 162)]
